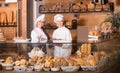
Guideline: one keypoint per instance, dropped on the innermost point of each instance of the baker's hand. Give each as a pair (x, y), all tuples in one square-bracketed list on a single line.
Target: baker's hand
[(39, 37)]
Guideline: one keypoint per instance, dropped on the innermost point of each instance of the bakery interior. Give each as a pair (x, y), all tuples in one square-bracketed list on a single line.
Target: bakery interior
[(91, 51)]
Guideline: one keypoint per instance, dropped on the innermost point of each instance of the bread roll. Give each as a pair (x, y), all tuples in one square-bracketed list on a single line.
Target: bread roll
[(10, 17)]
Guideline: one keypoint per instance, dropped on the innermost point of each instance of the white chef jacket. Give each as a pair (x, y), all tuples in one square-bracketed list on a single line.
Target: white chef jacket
[(38, 32), (64, 36)]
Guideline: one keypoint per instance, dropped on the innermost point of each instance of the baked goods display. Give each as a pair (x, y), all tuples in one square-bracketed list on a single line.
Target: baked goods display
[(94, 35), (86, 58), (82, 6)]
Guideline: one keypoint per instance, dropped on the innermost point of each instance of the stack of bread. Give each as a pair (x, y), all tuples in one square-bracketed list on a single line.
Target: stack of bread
[(7, 18), (85, 57), (3, 18)]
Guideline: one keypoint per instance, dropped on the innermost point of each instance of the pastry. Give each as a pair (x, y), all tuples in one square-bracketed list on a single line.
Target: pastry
[(98, 7), (91, 7), (3, 18), (76, 8)]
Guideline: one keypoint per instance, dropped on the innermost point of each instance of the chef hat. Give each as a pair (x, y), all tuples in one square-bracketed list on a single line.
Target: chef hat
[(58, 17), (40, 18)]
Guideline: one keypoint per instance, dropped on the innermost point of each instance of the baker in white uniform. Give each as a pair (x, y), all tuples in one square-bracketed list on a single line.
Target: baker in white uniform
[(61, 35), (37, 34)]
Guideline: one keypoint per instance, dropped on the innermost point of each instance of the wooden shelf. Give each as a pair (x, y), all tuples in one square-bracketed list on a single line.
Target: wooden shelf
[(54, 12), (8, 25)]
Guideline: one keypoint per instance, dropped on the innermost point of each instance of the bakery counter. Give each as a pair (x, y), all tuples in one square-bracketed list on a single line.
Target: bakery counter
[(111, 68), (102, 57)]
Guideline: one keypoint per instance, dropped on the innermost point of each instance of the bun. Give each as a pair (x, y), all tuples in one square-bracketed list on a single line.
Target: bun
[(98, 7), (91, 7)]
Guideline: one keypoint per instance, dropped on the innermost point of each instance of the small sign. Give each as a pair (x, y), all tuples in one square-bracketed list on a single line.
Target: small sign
[(10, 1)]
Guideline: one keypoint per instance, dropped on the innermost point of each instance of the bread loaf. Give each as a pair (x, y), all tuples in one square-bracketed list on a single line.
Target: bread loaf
[(10, 17), (3, 18)]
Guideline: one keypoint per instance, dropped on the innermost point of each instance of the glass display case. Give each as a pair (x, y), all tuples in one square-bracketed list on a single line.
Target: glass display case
[(85, 57)]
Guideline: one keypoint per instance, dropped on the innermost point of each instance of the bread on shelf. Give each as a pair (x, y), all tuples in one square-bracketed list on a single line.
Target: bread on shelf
[(83, 7), (98, 7), (106, 7), (91, 6)]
